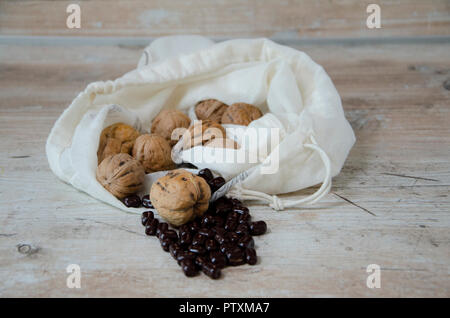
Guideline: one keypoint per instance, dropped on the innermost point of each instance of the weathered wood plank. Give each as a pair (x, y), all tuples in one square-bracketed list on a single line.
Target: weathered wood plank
[(398, 170), (286, 19)]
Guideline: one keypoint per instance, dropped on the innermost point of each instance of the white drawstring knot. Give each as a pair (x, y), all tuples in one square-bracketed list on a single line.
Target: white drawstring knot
[(243, 194), (276, 204)]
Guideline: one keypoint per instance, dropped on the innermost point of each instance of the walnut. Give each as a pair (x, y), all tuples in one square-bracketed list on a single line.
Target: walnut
[(117, 138), (121, 175), (222, 143), (210, 109), (166, 121), (154, 152), (241, 114), (180, 196), (202, 132)]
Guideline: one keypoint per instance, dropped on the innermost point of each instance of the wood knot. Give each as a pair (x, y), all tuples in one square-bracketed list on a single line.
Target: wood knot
[(27, 249)]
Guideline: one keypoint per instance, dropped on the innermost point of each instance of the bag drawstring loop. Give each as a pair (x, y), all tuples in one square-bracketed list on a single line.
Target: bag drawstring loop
[(278, 204)]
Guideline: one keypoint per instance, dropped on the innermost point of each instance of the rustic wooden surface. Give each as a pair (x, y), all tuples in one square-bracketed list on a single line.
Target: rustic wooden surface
[(390, 205)]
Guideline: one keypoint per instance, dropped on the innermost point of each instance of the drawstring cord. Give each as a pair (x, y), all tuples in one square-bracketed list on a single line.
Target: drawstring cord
[(275, 202)]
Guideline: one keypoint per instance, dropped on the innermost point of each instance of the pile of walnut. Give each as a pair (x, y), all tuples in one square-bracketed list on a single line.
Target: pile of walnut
[(125, 155)]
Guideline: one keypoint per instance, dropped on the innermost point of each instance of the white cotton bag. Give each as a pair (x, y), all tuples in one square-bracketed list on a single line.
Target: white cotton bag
[(299, 102)]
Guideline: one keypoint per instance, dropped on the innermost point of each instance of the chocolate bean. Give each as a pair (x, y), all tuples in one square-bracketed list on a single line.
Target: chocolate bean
[(189, 268), (206, 174), (151, 227), (242, 229), (211, 270), (198, 239), (197, 249), (246, 242), (174, 249), (245, 218), (223, 205), (233, 237), (219, 230), (132, 201), (200, 260), (206, 232), (222, 211), (185, 239), (194, 225), (165, 244), (184, 255), (208, 220), (211, 245), (233, 216), (162, 227), (219, 221), (216, 183), (221, 238), (236, 202), (258, 228), (227, 247), (218, 258), (184, 229), (146, 202), (240, 209), (224, 199), (146, 216), (231, 224), (235, 257), (169, 234), (250, 256)]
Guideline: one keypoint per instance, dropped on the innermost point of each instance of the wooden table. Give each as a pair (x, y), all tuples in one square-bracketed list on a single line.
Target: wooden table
[(389, 206)]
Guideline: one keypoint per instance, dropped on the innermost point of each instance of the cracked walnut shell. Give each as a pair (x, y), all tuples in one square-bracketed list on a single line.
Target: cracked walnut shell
[(114, 139), (180, 196), (241, 114), (154, 153), (167, 121), (121, 175), (210, 109), (202, 132)]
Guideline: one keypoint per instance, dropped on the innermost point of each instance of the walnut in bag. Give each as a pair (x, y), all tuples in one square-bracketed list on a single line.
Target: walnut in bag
[(210, 109), (154, 152), (167, 121), (121, 174), (180, 196), (202, 132), (241, 114), (114, 139)]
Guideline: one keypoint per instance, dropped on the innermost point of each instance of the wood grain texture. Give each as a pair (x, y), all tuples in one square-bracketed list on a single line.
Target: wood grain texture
[(280, 20), (398, 105)]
